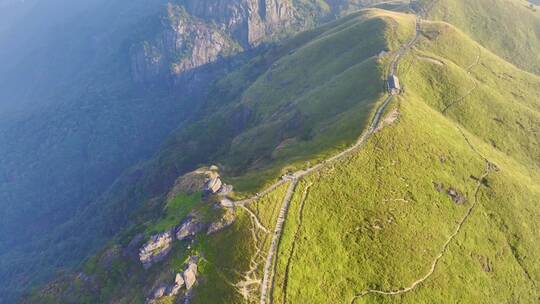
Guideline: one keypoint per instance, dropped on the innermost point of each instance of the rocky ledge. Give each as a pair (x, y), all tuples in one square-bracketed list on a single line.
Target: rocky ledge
[(156, 249), (182, 285), (190, 226)]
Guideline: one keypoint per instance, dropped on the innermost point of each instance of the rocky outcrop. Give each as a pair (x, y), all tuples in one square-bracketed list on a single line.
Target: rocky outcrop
[(201, 180), (197, 32), (184, 44), (249, 21), (183, 283), (226, 220), (213, 184), (188, 183), (190, 226), (156, 249), (178, 284), (456, 196)]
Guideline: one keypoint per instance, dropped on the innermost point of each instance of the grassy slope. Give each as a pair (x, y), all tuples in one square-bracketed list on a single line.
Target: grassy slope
[(374, 220), (388, 238), (516, 41), (334, 71), (312, 97)]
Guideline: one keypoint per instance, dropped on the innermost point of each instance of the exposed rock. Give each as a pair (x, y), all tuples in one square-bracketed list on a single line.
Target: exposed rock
[(226, 202), (184, 44), (457, 197), (213, 185), (225, 221), (190, 226), (156, 249), (190, 274), (84, 277), (249, 21), (225, 189), (203, 179), (186, 279), (188, 183), (438, 186), (178, 284)]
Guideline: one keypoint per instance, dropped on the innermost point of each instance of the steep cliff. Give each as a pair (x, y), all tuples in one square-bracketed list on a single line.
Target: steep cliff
[(184, 43)]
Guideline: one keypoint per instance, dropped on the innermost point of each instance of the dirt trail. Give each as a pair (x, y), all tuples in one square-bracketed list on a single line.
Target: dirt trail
[(267, 282), (255, 219), (475, 84), (250, 283), (488, 169)]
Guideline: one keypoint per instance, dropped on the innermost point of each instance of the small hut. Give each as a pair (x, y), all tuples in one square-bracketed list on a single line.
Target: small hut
[(393, 85)]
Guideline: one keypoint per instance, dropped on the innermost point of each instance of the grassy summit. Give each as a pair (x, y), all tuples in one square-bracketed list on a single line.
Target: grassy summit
[(382, 219), (509, 28)]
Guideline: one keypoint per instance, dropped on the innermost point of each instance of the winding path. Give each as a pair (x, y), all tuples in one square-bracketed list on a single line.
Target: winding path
[(475, 84), (267, 283), (488, 169)]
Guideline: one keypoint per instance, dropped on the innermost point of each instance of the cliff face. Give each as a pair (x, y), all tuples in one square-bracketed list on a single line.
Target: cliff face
[(196, 32), (184, 43), (249, 21)]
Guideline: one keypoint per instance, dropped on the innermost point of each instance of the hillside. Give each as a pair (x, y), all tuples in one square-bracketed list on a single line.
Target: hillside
[(341, 192), (92, 90), (413, 238), (516, 41), (346, 75)]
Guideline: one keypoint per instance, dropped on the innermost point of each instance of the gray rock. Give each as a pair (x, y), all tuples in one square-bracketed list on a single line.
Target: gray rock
[(184, 44), (456, 196), (156, 249), (213, 185), (226, 202), (177, 286), (190, 226), (190, 274)]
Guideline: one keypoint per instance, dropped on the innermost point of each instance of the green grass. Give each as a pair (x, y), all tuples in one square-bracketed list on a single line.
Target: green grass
[(376, 221), (301, 100), (517, 27), (504, 109), (174, 211)]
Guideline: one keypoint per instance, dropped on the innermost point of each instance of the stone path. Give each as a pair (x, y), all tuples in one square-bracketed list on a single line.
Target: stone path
[(267, 283)]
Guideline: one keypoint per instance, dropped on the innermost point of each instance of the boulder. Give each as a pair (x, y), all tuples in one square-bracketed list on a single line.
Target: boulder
[(178, 284), (213, 184), (226, 202), (156, 249), (190, 274), (457, 197), (189, 227)]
